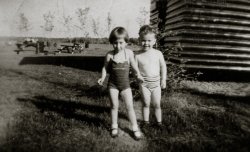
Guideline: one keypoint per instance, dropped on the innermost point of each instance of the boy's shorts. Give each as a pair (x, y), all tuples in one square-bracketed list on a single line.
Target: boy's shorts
[(151, 83)]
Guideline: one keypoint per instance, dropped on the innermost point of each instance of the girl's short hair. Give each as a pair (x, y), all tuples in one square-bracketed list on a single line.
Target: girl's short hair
[(118, 32), (146, 29)]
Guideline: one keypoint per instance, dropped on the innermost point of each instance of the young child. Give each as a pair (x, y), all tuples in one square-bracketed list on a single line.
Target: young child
[(153, 69), (117, 63)]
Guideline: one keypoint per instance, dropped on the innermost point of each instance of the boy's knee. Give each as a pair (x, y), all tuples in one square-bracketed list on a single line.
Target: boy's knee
[(146, 105), (157, 106)]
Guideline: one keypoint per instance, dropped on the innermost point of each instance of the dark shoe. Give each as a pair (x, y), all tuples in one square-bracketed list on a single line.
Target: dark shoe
[(145, 127), (159, 126), (145, 124)]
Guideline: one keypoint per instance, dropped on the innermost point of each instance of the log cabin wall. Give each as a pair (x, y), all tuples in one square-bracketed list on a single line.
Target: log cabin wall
[(208, 34)]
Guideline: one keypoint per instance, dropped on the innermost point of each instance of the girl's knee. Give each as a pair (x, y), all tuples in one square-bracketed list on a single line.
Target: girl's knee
[(114, 107), (130, 107)]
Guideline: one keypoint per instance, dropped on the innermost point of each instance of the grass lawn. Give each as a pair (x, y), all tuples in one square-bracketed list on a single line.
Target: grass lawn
[(58, 108)]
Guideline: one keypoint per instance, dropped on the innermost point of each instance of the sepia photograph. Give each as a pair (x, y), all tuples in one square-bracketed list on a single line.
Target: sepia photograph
[(124, 75)]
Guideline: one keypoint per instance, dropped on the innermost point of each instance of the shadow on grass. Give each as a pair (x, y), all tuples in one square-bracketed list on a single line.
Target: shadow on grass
[(90, 63), (221, 75), (90, 91), (194, 126), (73, 110), (219, 96), (93, 92)]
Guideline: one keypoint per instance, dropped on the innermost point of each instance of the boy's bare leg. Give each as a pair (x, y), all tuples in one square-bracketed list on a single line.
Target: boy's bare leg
[(146, 97), (156, 101), (128, 99), (113, 94)]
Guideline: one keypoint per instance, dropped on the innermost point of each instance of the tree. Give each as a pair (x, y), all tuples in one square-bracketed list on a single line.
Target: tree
[(96, 27), (143, 18), (67, 24), (82, 15), (109, 23), (24, 25), (48, 22)]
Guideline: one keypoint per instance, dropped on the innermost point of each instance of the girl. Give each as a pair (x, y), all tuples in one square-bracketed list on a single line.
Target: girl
[(117, 63)]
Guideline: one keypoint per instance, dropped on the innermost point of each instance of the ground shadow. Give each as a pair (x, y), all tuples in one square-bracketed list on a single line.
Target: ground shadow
[(221, 75), (93, 92), (90, 63), (73, 110), (90, 91), (218, 96)]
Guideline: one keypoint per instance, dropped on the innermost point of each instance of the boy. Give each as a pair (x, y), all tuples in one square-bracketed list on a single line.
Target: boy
[(153, 69)]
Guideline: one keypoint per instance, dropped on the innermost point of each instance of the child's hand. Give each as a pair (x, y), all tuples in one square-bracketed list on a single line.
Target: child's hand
[(100, 82), (140, 78), (163, 84)]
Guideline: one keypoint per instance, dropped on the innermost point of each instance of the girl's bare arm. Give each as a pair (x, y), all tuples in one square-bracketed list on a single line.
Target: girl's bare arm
[(134, 65), (104, 69)]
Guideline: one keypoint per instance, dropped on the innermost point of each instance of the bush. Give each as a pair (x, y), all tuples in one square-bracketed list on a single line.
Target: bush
[(176, 72)]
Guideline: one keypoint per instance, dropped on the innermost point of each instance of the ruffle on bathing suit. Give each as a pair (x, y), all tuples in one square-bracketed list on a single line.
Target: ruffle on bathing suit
[(119, 75)]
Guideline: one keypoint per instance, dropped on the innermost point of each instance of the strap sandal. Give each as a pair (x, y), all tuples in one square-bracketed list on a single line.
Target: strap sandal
[(137, 135), (114, 132)]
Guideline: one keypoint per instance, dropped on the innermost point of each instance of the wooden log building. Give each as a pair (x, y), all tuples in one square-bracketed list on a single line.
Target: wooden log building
[(210, 34)]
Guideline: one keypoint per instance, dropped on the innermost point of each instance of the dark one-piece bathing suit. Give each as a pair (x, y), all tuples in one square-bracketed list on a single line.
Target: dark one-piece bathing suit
[(119, 74)]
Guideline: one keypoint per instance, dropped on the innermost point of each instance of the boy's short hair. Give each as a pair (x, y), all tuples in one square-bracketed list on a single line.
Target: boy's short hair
[(146, 29), (118, 32)]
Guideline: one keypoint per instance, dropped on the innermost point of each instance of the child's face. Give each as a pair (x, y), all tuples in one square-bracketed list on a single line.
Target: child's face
[(147, 41), (119, 44)]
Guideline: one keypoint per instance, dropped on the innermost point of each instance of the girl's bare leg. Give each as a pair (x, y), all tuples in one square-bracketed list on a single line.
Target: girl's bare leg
[(128, 99), (113, 94)]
